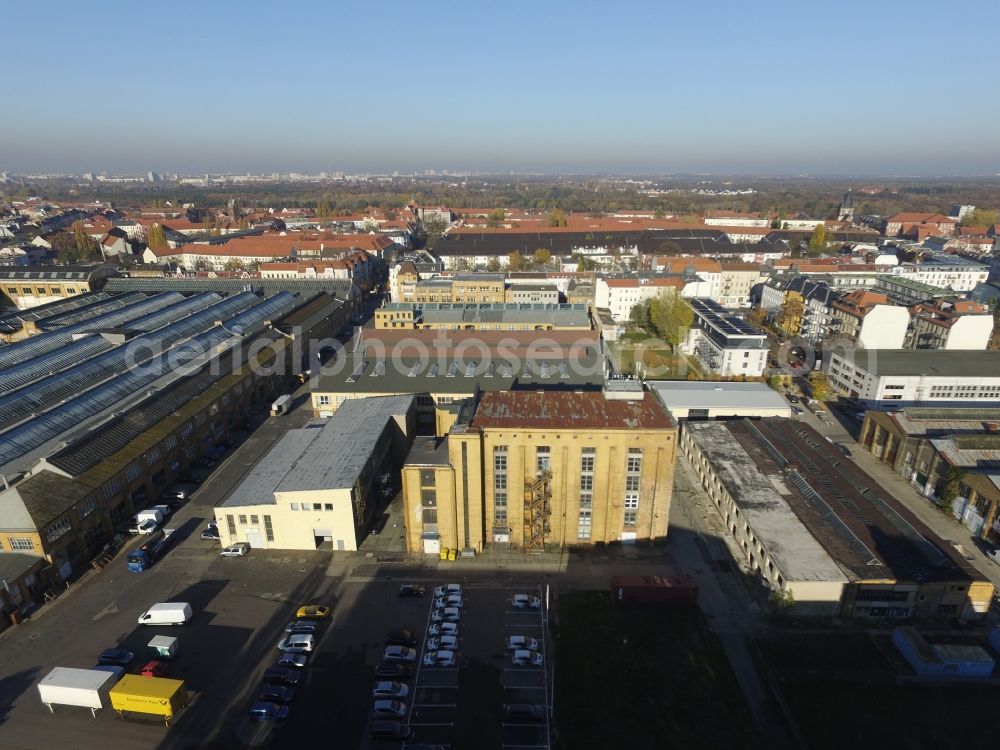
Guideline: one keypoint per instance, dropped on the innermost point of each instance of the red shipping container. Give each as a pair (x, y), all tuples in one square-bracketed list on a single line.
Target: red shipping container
[(682, 589)]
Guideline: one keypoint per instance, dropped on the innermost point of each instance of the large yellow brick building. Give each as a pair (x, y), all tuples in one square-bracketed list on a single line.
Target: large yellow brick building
[(485, 316), (530, 469)]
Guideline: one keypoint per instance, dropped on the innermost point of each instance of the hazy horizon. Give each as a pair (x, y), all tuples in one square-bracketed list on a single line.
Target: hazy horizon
[(642, 89)]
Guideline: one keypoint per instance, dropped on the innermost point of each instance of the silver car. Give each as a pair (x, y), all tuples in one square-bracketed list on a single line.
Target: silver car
[(390, 689)]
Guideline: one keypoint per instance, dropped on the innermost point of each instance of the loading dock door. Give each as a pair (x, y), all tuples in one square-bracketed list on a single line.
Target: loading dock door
[(432, 546)]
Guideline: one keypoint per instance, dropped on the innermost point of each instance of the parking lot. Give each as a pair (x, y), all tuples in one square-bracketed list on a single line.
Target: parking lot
[(242, 606)]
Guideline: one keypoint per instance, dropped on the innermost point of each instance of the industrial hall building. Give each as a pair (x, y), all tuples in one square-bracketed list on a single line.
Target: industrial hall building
[(537, 469)]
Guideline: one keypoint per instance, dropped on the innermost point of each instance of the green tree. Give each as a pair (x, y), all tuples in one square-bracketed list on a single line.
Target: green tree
[(818, 240), (323, 208), (981, 217), (818, 385), (639, 315), (557, 218), (493, 264), (792, 310), (994, 342), (541, 257), (495, 217), (235, 264), (156, 237), (950, 486), (66, 248), (515, 261), (86, 246), (670, 317)]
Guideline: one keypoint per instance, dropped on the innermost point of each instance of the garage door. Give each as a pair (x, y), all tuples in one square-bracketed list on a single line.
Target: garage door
[(254, 538), (432, 546)]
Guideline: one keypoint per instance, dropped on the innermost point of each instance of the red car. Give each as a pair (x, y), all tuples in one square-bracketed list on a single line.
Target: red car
[(154, 669)]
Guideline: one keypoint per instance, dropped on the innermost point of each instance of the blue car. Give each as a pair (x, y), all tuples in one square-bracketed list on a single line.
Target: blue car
[(267, 711)]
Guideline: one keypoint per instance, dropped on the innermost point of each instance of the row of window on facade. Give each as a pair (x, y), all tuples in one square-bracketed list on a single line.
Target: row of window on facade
[(252, 520)]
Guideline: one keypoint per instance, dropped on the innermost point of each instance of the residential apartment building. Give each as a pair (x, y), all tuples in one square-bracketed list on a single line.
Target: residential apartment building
[(906, 224), (821, 533), (482, 317), (620, 296), (533, 470), (868, 320), (736, 282), (817, 301), (883, 378), (949, 324), (725, 344)]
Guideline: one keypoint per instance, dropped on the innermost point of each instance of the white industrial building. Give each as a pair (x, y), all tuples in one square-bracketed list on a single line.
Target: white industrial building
[(904, 377), (703, 399)]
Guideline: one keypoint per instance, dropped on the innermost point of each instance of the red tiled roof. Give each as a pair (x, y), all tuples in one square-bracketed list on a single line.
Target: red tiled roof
[(563, 410)]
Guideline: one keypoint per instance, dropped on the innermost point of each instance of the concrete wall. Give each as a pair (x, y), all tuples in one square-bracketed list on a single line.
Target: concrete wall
[(970, 332), (884, 327)]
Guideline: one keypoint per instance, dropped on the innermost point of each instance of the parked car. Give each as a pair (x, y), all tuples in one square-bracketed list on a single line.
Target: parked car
[(526, 601), (154, 668), (298, 643), (443, 628), (267, 711), (524, 712), (399, 653), (447, 642), (448, 614), (276, 693), (313, 612), (994, 555), (118, 657), (301, 626), (282, 676), (411, 589), (798, 411), (439, 659), (293, 660), (453, 600), (385, 729), (448, 589), (393, 671), (792, 399), (517, 642), (526, 658), (388, 708), (400, 638), (210, 534), (235, 550), (390, 689), (844, 449)]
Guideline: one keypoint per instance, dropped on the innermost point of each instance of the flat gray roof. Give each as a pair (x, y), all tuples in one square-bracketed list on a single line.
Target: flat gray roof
[(320, 456), (447, 374), (927, 362), (428, 450), (714, 395), (334, 460), (794, 550)]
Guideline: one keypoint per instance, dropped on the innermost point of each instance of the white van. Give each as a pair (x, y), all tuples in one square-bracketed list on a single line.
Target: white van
[(167, 613)]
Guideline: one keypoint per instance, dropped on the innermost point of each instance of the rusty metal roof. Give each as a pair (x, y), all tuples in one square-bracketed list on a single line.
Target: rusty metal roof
[(565, 410)]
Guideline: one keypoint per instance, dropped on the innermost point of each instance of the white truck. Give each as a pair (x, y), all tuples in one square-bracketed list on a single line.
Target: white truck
[(166, 613), (147, 521), (281, 406), (87, 688)]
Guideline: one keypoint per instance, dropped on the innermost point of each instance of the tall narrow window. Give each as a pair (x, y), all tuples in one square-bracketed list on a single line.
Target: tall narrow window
[(633, 477), (500, 485)]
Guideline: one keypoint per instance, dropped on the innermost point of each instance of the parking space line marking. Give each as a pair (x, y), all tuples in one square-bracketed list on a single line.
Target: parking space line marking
[(434, 705), (442, 724)]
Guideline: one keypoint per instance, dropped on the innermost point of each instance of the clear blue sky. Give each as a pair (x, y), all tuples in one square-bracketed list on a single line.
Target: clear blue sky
[(731, 87)]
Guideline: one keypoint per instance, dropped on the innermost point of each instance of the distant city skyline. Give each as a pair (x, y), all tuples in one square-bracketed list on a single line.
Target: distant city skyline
[(641, 88)]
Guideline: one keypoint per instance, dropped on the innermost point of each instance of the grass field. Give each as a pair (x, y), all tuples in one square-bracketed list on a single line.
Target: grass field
[(659, 363), (645, 676)]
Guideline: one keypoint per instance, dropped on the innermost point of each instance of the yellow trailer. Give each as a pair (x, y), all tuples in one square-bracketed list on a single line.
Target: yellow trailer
[(148, 695)]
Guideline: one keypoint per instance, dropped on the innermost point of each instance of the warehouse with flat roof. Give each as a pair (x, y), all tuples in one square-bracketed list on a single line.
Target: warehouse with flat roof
[(701, 399), (320, 487), (821, 532)]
